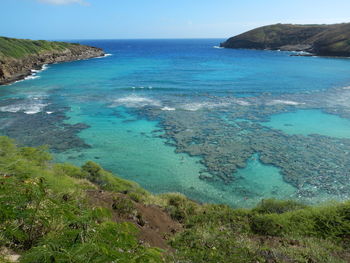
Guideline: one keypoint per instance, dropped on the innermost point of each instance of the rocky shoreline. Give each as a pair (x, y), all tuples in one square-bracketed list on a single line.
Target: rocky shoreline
[(14, 69)]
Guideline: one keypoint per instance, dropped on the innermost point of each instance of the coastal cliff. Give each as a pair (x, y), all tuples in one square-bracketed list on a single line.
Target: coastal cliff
[(19, 56), (321, 40)]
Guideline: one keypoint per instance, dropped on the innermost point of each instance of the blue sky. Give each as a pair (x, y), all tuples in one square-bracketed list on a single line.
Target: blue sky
[(107, 19)]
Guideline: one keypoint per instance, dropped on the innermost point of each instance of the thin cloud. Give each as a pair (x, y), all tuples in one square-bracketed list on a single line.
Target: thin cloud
[(64, 2)]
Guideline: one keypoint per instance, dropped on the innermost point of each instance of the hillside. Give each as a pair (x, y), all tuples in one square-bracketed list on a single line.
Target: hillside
[(19, 56), (322, 40), (53, 212)]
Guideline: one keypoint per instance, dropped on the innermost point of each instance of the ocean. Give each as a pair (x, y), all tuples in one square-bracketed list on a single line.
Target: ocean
[(219, 125)]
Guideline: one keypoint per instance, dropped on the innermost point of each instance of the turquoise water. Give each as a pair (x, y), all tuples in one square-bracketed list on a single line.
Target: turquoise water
[(263, 181), (127, 98), (130, 148), (306, 122)]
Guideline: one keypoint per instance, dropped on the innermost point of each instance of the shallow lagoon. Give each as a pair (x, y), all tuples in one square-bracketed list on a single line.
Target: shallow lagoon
[(127, 145), (307, 122), (109, 99)]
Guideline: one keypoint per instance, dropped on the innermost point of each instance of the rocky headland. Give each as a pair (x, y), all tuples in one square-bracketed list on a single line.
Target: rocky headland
[(320, 40), (19, 56)]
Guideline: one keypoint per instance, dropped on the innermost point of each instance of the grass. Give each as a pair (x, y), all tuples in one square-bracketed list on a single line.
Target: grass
[(45, 217), (20, 48), (221, 234)]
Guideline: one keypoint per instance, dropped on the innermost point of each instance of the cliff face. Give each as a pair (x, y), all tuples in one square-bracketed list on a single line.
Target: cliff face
[(18, 57), (323, 40)]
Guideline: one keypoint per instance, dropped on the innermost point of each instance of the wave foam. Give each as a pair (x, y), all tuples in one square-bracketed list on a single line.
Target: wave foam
[(25, 108), (34, 104), (134, 101), (203, 105), (242, 102), (105, 55), (218, 47), (43, 68), (168, 109), (284, 102), (31, 77)]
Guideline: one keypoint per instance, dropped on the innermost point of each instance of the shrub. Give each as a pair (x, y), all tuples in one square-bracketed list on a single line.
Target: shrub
[(179, 207), (44, 215), (106, 242), (269, 225), (92, 169), (269, 206), (124, 206), (70, 170)]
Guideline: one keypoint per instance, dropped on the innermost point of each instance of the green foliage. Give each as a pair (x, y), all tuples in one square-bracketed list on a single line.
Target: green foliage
[(137, 197), (45, 217), (109, 182), (269, 206), (179, 207), (326, 222), (70, 170), (215, 233), (38, 156), (221, 215), (212, 245), (19, 48), (123, 205), (93, 170), (269, 225), (275, 231), (106, 242)]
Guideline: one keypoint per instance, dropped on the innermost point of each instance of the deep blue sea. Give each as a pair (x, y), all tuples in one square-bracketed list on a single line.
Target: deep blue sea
[(148, 105)]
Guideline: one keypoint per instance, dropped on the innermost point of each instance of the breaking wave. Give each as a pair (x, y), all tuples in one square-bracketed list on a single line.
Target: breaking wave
[(134, 101), (203, 105), (168, 109), (31, 77), (27, 108), (284, 102), (242, 102), (105, 55), (34, 104)]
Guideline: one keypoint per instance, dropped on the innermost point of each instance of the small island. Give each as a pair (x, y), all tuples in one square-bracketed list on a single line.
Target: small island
[(321, 40), (19, 56)]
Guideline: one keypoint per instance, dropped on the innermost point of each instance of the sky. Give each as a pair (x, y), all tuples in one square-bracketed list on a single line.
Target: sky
[(129, 19)]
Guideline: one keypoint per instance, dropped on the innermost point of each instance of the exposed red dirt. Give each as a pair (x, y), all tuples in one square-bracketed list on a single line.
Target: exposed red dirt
[(155, 224)]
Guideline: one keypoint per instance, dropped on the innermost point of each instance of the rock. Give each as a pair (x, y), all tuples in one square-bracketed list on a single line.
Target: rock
[(15, 66)]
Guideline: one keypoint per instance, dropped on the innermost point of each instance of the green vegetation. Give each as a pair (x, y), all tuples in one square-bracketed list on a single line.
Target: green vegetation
[(324, 40), (46, 215), (220, 234), (19, 48)]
